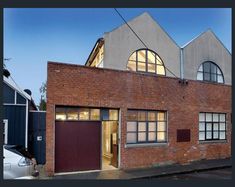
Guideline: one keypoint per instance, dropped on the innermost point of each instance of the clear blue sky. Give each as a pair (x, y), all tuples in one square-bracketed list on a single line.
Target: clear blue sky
[(34, 36)]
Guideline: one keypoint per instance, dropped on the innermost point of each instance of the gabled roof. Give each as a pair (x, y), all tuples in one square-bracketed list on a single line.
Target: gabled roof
[(98, 42), (208, 31), (146, 15), (14, 86)]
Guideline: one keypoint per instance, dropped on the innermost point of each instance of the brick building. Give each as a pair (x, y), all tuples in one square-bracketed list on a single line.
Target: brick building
[(125, 109)]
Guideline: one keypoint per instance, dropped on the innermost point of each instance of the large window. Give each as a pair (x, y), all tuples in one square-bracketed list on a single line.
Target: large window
[(209, 71), (212, 126), (85, 114), (146, 126), (145, 60)]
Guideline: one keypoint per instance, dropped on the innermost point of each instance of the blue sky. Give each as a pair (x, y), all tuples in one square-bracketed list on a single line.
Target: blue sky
[(34, 36)]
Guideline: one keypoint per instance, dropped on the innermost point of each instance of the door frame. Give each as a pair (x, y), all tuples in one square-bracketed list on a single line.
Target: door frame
[(119, 141)]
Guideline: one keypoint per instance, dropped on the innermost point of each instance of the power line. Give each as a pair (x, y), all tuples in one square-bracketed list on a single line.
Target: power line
[(140, 39)]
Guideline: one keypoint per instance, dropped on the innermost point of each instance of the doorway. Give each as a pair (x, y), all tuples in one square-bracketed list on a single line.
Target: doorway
[(109, 145)]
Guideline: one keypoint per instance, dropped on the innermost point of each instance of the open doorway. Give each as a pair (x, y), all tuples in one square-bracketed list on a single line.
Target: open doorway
[(109, 145)]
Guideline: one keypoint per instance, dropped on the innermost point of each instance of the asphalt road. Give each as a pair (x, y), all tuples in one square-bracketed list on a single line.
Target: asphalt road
[(225, 173)]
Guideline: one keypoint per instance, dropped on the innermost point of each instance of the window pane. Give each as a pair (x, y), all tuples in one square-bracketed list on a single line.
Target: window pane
[(131, 66), (215, 126), (72, 114), (208, 126), (206, 67), (152, 116), (141, 116), (215, 117), (201, 135), (213, 68), (161, 136), (131, 126), (213, 77), (222, 117), (201, 116), (218, 71), (206, 76), (142, 126), (151, 57), (151, 68), (201, 126), (113, 114), (141, 66), (152, 136), (142, 56), (133, 57), (131, 138), (142, 136), (161, 116), (200, 68), (161, 126), (60, 116), (84, 114), (152, 126), (215, 135), (159, 61), (222, 126), (200, 76), (132, 115), (208, 117), (160, 70), (95, 114), (222, 135), (220, 78), (208, 135)]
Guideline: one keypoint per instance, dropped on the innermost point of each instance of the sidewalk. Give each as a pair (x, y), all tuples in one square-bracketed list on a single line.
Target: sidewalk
[(150, 172)]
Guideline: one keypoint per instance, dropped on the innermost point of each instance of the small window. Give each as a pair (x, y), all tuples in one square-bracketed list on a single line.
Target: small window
[(83, 114), (145, 60), (95, 114), (113, 115), (60, 113), (72, 114), (209, 71)]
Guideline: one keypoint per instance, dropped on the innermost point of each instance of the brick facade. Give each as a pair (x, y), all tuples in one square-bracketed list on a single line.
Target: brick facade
[(86, 86)]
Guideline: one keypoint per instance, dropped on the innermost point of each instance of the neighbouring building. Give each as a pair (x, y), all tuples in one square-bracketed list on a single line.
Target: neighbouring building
[(23, 123), (132, 106)]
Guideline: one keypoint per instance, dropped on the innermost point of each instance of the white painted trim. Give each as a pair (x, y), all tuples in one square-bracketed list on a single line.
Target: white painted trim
[(26, 124), (12, 85), (10, 104), (15, 99), (181, 64), (5, 122)]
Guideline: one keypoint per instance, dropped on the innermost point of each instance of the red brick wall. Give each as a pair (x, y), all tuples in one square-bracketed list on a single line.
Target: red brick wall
[(85, 86)]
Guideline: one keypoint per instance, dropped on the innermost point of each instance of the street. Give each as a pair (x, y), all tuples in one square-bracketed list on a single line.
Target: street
[(225, 173)]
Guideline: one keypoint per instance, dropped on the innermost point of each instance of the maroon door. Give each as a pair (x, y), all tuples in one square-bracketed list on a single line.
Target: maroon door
[(77, 145)]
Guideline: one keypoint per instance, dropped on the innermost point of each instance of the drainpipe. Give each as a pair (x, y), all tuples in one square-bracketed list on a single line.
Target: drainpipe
[(181, 64)]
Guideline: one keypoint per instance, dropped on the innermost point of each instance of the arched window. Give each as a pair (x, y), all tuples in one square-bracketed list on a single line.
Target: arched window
[(145, 60), (209, 71)]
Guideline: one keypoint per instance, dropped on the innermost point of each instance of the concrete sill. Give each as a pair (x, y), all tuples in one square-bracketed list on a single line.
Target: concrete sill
[(146, 145), (213, 142)]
